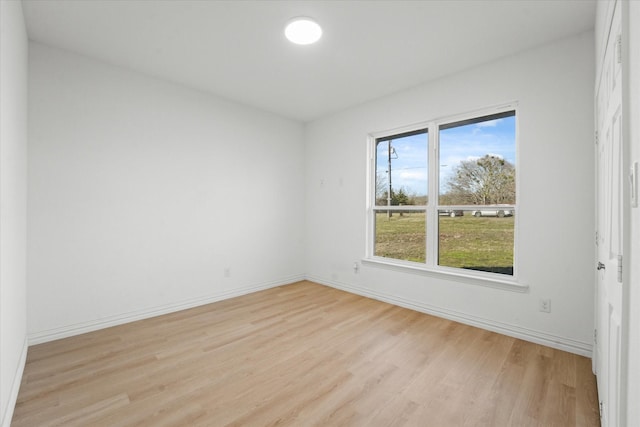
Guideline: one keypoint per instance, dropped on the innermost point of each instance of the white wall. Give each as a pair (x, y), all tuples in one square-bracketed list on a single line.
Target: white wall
[(633, 70), (143, 192), (554, 88), (13, 203)]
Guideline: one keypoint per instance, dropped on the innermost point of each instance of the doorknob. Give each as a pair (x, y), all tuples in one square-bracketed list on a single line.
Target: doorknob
[(601, 266)]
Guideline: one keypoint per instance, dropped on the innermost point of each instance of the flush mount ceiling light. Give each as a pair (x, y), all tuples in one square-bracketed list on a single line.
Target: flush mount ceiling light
[(303, 30)]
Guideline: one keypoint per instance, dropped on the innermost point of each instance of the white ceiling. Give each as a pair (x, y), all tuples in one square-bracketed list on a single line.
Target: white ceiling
[(237, 49)]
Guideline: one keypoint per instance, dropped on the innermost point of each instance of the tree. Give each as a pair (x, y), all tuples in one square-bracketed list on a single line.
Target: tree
[(399, 198), (488, 180), (381, 189)]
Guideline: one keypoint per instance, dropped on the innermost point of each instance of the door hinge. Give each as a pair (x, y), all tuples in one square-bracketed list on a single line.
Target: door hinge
[(596, 137), (595, 336), (619, 268), (619, 49), (596, 238)]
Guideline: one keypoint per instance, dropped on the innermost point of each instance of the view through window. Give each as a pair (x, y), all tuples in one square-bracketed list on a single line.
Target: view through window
[(470, 166), (402, 187)]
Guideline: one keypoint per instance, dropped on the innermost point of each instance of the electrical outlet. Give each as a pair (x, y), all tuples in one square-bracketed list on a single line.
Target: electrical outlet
[(227, 272), (545, 305)]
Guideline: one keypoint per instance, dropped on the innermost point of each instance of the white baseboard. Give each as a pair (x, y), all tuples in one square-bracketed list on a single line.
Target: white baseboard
[(15, 386), (538, 337), (94, 325)]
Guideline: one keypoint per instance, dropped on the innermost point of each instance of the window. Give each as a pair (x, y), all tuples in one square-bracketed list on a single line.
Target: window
[(401, 184), (444, 195)]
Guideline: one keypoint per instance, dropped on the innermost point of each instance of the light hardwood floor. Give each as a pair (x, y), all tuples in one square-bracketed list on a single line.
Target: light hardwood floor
[(302, 355)]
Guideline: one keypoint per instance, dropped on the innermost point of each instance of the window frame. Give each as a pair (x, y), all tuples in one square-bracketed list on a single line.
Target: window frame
[(430, 267)]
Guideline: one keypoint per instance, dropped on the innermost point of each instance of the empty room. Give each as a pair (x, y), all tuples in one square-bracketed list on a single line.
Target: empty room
[(319, 213)]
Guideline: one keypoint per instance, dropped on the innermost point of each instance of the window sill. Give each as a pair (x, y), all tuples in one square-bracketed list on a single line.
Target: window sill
[(479, 278)]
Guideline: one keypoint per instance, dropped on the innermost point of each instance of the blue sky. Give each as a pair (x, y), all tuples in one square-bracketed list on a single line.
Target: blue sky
[(472, 141), (408, 163)]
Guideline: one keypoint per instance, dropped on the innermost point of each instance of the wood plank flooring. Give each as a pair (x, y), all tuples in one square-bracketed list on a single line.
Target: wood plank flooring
[(302, 355)]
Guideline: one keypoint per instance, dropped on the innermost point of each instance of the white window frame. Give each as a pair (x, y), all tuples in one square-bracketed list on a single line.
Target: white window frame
[(430, 267)]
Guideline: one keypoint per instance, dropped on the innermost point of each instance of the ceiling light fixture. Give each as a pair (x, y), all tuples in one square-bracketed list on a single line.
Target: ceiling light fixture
[(303, 30)]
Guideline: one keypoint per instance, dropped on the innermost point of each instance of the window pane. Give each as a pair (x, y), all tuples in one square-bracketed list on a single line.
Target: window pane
[(400, 235), (477, 161), (401, 169), (477, 167), (477, 239)]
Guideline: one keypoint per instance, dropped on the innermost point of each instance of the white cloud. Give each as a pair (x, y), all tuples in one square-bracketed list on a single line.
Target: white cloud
[(413, 176)]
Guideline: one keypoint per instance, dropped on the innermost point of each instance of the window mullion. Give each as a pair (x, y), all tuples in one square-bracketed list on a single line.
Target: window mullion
[(432, 208)]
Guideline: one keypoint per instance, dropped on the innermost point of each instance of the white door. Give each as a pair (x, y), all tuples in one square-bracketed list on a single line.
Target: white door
[(609, 223)]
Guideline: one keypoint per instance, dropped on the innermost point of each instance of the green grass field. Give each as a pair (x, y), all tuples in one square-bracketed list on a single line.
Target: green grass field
[(484, 244)]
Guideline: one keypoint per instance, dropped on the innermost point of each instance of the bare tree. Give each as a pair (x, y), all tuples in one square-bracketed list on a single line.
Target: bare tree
[(381, 188), (488, 180)]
